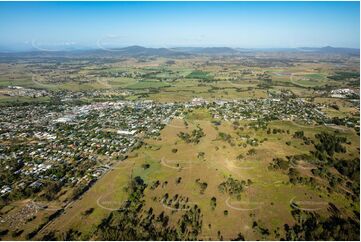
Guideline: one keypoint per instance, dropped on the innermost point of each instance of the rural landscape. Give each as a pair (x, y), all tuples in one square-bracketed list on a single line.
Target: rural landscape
[(180, 143)]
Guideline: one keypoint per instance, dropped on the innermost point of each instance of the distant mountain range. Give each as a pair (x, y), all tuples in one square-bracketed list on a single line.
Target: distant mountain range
[(140, 51), (332, 50)]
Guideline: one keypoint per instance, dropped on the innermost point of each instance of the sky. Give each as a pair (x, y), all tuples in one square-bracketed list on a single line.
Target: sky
[(52, 25)]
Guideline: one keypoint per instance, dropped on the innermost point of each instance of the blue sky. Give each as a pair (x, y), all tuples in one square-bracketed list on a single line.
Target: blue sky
[(168, 24)]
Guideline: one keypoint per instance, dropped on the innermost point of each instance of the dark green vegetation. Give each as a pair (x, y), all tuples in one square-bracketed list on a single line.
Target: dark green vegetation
[(341, 75), (310, 226), (323, 159), (204, 76), (202, 186), (133, 222), (194, 137), (233, 187)]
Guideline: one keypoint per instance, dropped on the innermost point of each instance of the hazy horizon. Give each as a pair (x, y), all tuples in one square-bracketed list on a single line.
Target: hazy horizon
[(61, 48)]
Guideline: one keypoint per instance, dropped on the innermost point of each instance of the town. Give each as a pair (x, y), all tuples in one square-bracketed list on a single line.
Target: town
[(67, 145), (73, 145)]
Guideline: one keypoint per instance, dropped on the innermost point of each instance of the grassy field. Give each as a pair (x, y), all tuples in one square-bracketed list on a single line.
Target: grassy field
[(148, 84), (266, 201), (6, 100)]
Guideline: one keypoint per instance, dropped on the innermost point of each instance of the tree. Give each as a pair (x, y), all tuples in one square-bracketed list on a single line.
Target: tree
[(213, 202)]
